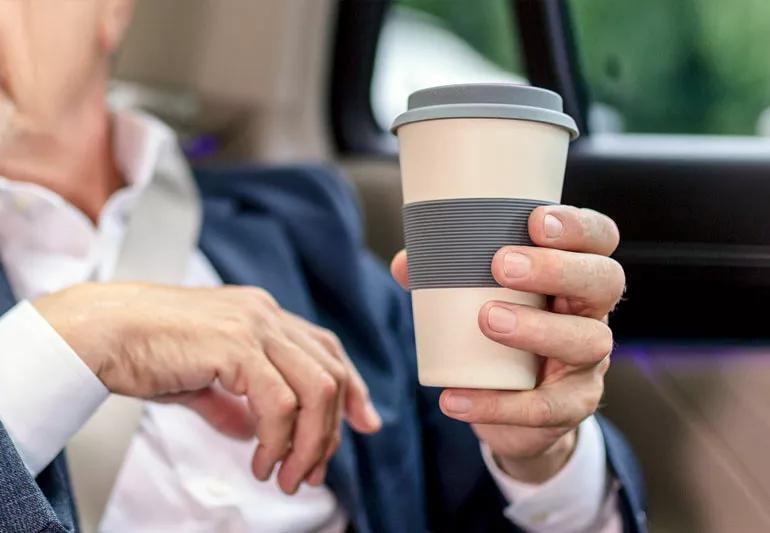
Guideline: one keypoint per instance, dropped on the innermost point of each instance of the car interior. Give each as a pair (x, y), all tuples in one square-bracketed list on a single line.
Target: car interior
[(673, 103)]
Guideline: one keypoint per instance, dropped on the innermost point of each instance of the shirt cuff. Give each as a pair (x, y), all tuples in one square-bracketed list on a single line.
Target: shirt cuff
[(574, 500), (46, 391)]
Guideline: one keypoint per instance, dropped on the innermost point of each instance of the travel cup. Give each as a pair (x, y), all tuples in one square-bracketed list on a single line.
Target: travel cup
[(475, 160)]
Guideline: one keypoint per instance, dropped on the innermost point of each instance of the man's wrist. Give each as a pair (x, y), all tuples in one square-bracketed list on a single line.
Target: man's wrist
[(544, 466), (47, 389), (58, 311)]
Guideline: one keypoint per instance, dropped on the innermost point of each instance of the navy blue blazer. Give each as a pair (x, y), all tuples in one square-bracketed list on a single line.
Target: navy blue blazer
[(297, 232)]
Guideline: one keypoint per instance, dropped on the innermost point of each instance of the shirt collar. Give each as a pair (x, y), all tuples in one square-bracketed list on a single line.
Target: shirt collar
[(139, 141), (29, 211)]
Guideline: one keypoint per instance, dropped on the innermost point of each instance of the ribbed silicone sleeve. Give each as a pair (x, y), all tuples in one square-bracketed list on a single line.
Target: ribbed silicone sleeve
[(451, 243)]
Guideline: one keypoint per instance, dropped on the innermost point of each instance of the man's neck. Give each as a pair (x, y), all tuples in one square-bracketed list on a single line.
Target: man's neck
[(74, 159)]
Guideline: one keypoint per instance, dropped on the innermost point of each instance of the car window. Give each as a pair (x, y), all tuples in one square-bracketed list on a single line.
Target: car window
[(425, 43), (684, 66)]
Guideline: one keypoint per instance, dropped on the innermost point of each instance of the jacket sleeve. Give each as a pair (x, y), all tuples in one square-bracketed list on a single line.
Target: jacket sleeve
[(625, 468), (29, 505)]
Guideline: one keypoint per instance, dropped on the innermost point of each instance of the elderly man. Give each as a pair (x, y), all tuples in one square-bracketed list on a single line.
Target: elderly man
[(253, 344)]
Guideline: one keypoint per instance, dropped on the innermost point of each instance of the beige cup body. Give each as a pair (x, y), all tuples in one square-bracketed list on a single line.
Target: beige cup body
[(461, 158)]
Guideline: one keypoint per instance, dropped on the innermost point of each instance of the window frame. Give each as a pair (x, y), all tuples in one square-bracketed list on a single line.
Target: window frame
[(687, 209), (545, 41), (354, 128)]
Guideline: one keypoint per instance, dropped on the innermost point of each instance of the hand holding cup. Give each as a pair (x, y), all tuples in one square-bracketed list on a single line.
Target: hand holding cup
[(532, 433)]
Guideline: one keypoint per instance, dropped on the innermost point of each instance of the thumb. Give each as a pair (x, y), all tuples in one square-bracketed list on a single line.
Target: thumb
[(228, 414)]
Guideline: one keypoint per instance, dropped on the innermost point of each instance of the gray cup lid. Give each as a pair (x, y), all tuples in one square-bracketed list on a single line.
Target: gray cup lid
[(487, 100)]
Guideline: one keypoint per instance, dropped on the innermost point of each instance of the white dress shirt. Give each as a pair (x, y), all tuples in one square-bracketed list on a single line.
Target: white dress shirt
[(180, 474)]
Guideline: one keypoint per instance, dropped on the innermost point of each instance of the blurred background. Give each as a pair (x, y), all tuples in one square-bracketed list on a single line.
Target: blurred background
[(673, 102)]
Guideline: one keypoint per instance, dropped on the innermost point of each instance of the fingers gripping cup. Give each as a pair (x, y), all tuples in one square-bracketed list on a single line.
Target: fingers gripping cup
[(475, 161)]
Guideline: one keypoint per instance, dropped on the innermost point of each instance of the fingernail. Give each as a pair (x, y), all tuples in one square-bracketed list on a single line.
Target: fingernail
[(516, 265), (553, 227), (457, 403), (501, 320)]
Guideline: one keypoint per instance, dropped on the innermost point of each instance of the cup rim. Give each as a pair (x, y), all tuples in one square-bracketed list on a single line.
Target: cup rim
[(487, 111), (487, 100)]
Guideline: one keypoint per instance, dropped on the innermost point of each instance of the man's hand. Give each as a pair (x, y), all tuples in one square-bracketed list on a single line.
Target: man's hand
[(210, 348), (533, 433)]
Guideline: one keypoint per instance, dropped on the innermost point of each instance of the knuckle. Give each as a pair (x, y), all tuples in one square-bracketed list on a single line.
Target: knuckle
[(337, 371), (490, 409), (265, 297), (276, 344), (592, 400), (586, 220), (273, 447), (552, 266), (276, 450), (576, 418), (539, 331), (240, 328), (271, 343), (608, 229), (327, 387), (330, 341), (285, 404), (603, 366), (259, 297), (604, 227), (261, 324), (340, 373), (602, 343), (613, 233), (539, 411), (617, 278), (598, 393), (238, 378)]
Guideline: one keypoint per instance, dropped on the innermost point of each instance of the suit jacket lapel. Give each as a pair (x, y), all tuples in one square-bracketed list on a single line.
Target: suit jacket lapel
[(296, 232)]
